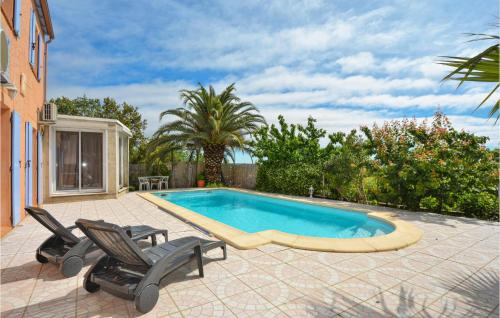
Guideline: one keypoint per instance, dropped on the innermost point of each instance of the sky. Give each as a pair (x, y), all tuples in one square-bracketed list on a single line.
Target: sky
[(345, 63)]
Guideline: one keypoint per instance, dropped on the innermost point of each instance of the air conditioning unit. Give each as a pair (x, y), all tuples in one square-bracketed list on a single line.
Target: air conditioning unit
[(48, 114)]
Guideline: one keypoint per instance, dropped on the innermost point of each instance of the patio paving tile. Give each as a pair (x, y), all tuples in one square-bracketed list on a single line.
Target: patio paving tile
[(264, 260), (394, 305), (432, 284), (287, 255), (415, 293), (240, 266), (334, 298), (304, 307), (227, 287), (372, 260), (349, 267), (327, 258), (456, 306), (425, 258), (258, 279), (452, 272), (365, 311), (326, 274), (279, 293), (305, 283), (449, 270), (359, 288), (443, 251), (471, 257), (192, 297), (379, 279), (250, 304), (213, 309), (283, 271), (272, 248)]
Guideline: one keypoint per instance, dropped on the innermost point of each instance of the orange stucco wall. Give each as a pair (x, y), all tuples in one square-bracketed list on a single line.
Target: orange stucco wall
[(27, 103)]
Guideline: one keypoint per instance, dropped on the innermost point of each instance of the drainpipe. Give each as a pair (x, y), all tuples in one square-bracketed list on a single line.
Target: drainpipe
[(45, 64)]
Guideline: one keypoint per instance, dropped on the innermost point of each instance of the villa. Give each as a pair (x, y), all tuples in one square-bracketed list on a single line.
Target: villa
[(47, 157), (77, 241)]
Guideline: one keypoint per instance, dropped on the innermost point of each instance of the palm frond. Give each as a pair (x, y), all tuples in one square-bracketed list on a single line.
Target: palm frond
[(483, 67)]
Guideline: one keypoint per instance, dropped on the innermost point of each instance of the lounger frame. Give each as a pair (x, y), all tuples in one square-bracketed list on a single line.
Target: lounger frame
[(68, 251), (129, 272)]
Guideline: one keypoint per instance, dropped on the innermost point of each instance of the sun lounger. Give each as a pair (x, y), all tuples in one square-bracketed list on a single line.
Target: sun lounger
[(68, 251), (129, 272)]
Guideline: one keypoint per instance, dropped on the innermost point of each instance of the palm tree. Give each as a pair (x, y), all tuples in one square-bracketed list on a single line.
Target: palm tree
[(217, 124), (483, 67)]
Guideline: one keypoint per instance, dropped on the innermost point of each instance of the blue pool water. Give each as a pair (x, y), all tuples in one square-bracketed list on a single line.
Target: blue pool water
[(254, 213)]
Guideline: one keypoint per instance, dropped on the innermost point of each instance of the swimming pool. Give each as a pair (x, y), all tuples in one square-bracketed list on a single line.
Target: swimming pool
[(254, 213)]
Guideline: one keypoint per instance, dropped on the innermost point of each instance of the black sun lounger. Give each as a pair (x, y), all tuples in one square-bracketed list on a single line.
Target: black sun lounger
[(129, 272), (69, 251)]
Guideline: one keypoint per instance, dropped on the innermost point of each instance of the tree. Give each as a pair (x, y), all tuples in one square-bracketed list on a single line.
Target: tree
[(347, 165), (215, 123), (290, 157), (108, 108), (483, 67)]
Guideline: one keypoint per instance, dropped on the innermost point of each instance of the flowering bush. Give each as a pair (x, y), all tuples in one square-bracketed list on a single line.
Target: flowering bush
[(404, 163)]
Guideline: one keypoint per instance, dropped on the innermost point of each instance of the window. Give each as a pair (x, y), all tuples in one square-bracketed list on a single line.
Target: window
[(32, 38), (79, 161), (12, 11), (39, 57), (120, 161)]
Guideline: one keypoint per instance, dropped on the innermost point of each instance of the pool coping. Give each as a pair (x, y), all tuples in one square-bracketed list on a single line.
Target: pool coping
[(404, 233)]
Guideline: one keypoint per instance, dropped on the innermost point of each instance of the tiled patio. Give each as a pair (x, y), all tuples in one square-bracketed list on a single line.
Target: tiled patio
[(452, 272)]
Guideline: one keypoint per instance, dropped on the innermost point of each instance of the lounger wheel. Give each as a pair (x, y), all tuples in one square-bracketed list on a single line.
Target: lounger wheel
[(147, 298), (41, 259), (90, 286), (72, 266)]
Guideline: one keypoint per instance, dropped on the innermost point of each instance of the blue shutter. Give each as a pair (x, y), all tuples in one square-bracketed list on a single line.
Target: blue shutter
[(17, 17), (39, 47), (39, 174), (16, 168), (28, 176), (32, 38)]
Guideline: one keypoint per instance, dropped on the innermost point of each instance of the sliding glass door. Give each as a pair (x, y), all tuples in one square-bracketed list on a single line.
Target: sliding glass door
[(79, 161), (67, 161), (92, 161)]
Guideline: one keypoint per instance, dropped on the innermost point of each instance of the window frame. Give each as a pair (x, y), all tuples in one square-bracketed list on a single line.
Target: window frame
[(121, 168)]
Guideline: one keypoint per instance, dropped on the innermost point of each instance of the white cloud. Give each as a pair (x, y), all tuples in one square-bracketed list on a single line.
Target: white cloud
[(460, 103), (361, 62), (285, 56), (279, 79), (345, 119), (152, 98)]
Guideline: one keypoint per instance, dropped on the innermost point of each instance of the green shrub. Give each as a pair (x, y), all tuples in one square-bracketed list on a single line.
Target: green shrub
[(429, 203), (481, 205), (200, 176), (294, 179)]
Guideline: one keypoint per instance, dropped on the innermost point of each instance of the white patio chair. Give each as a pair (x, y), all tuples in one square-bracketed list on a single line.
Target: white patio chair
[(144, 183), (164, 181)]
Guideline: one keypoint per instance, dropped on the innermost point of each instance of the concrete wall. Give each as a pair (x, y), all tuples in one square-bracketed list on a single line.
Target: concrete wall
[(30, 98)]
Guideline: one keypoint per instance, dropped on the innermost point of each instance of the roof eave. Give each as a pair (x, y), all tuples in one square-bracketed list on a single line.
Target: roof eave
[(42, 7)]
